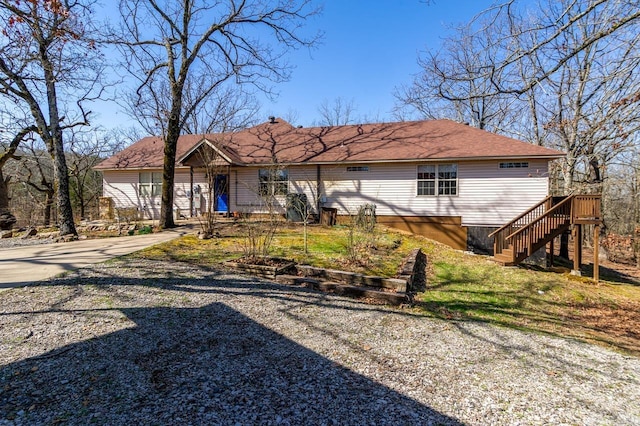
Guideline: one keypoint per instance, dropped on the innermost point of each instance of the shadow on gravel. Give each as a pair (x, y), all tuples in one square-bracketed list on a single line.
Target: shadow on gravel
[(184, 366)]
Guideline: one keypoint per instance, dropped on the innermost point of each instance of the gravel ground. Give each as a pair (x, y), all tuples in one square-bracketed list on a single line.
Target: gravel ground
[(19, 242), (143, 342)]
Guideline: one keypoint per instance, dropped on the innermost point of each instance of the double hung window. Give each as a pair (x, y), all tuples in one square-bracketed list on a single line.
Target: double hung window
[(273, 181), (150, 184), (438, 179)]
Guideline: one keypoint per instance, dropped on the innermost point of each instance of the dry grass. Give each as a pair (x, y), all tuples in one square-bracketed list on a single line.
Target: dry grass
[(460, 287)]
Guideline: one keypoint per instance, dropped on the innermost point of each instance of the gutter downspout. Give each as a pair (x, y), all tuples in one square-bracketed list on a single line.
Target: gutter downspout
[(228, 190), (318, 189), (190, 191)]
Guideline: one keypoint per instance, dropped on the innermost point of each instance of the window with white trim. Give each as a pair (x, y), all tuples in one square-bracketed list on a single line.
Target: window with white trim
[(438, 179), (273, 181), (150, 184), (515, 165)]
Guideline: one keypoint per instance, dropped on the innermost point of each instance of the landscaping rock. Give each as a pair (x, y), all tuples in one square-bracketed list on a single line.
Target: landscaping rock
[(6, 234), (7, 220), (30, 232), (413, 270)]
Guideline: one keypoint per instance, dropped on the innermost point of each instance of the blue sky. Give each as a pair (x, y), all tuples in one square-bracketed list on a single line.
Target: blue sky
[(368, 49)]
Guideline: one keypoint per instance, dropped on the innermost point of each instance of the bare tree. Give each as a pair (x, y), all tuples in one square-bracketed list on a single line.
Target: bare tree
[(564, 75), (7, 219), (86, 150), (455, 82), (36, 173), (49, 67), (173, 46), (340, 112), (228, 109)]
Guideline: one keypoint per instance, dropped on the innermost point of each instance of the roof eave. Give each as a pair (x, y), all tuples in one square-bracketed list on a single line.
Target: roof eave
[(112, 169), (411, 160)]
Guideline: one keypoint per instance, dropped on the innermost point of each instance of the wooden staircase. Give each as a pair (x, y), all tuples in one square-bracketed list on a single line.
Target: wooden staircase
[(533, 229)]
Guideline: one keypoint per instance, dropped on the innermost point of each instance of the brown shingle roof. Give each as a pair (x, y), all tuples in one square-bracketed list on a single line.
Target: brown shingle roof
[(381, 142), (148, 152)]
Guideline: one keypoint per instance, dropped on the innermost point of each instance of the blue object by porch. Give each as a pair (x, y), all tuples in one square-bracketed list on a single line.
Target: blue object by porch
[(222, 202)]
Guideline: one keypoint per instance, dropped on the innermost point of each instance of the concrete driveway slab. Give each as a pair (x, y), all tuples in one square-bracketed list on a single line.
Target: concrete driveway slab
[(20, 266)]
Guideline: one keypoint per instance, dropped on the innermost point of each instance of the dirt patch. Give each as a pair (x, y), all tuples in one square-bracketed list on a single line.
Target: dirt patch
[(611, 323), (617, 265)]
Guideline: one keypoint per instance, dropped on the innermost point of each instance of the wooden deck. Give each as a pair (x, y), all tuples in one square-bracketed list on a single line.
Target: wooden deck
[(538, 226)]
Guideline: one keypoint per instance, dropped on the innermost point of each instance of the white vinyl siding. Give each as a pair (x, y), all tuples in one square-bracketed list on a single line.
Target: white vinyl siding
[(245, 193), (245, 189), (486, 196), (495, 196), (123, 187)]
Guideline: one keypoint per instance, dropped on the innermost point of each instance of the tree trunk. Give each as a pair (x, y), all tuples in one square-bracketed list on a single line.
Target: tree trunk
[(168, 175), (4, 193), (170, 146), (82, 208), (61, 175), (55, 144), (48, 207)]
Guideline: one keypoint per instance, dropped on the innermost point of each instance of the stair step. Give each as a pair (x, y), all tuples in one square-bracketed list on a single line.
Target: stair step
[(507, 254), (503, 258), (504, 261)]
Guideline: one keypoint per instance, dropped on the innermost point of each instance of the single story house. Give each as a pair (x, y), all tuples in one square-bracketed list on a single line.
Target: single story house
[(439, 178)]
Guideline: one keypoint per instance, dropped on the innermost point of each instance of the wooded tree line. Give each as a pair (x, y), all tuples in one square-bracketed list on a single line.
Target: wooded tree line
[(187, 56), (558, 73), (564, 74)]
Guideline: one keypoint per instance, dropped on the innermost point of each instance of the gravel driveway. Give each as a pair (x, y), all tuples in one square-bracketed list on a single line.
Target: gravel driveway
[(143, 342)]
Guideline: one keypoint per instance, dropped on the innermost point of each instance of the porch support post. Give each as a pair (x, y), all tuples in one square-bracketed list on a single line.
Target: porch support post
[(228, 189), (580, 238), (577, 246), (190, 191), (551, 252), (596, 249), (318, 191)]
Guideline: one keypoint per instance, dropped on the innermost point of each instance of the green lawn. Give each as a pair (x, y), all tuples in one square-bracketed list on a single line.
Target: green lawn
[(460, 286)]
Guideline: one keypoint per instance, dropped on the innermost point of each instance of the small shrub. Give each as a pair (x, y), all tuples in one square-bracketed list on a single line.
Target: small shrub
[(145, 230)]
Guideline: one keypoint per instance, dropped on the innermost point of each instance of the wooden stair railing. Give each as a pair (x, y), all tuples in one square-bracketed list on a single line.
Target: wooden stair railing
[(532, 230), (525, 218), (586, 209)]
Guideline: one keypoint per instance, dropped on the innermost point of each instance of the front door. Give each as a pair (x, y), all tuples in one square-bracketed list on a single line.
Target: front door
[(221, 194)]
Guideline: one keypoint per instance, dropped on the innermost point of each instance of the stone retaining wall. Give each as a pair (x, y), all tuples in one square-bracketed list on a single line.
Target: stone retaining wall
[(413, 271)]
